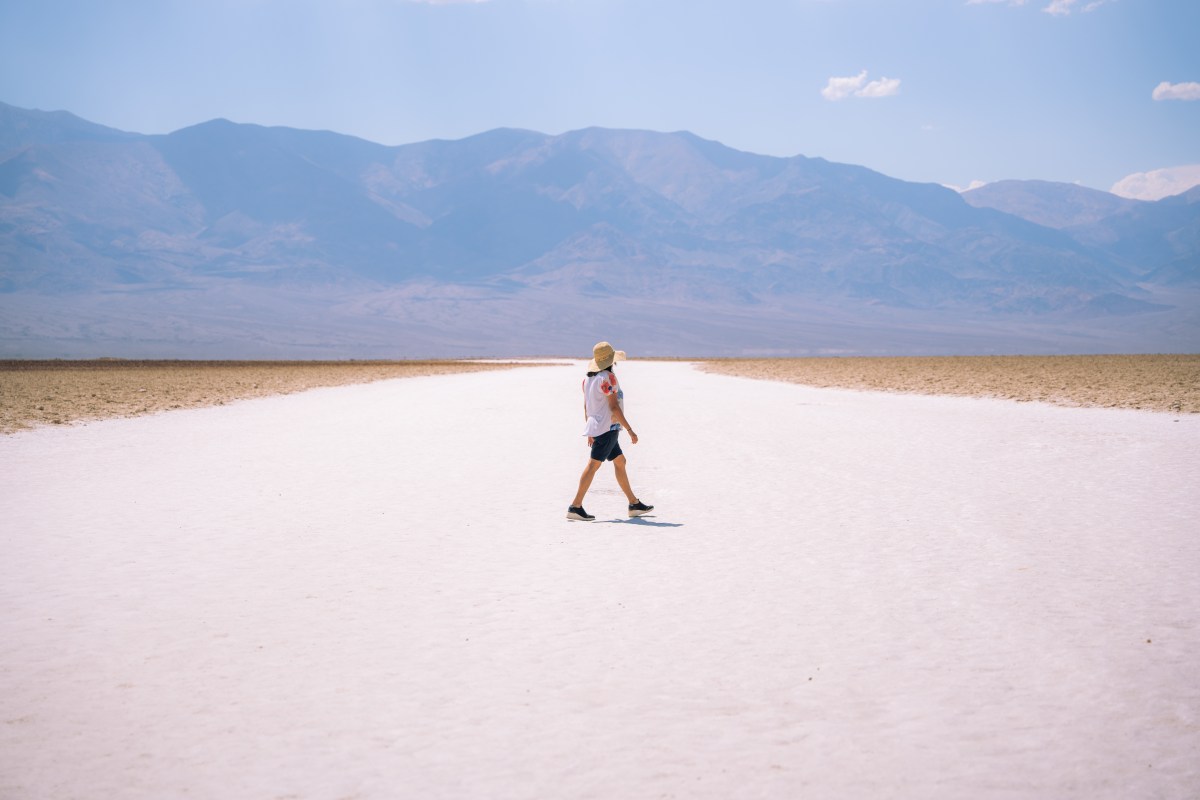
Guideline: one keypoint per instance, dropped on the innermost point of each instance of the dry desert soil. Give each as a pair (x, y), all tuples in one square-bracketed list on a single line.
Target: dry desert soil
[(36, 393), (1168, 383)]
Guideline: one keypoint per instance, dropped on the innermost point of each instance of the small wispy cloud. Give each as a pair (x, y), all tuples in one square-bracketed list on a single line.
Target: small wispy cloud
[(1176, 91), (858, 86), (1057, 8)]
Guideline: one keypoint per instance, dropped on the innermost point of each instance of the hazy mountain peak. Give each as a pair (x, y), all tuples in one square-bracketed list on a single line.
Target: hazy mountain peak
[(21, 128), (1055, 205)]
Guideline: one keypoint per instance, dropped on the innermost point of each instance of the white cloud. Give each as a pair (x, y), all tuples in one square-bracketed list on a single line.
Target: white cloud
[(840, 88), (884, 87), (1177, 91), (1059, 8), (858, 86), (1158, 183), (970, 186)]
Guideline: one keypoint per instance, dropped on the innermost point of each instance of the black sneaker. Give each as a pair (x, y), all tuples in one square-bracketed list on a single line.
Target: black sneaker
[(577, 512), (639, 508)]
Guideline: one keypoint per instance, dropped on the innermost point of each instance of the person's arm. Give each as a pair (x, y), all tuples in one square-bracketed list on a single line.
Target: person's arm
[(619, 416), (591, 440)]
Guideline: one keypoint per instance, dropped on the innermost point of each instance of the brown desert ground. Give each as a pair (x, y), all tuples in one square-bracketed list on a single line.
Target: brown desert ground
[(34, 393), (1169, 383)]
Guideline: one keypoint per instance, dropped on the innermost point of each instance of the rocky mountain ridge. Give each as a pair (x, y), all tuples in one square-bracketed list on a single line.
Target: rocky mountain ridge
[(228, 239)]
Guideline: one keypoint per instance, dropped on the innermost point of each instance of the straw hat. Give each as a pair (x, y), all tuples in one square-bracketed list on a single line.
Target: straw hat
[(603, 357)]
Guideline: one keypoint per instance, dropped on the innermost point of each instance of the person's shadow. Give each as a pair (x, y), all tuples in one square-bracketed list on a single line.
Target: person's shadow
[(643, 522)]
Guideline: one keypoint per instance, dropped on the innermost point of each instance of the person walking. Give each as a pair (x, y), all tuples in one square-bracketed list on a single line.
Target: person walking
[(604, 410)]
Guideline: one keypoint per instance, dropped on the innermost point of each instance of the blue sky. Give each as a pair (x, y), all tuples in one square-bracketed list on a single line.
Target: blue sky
[(946, 91)]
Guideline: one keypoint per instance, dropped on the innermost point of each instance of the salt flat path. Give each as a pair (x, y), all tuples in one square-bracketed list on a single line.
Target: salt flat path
[(371, 592)]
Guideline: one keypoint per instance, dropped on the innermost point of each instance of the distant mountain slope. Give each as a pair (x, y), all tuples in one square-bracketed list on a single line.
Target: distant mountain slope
[(1055, 205), (244, 228), (1160, 238), (20, 128), (1158, 241)]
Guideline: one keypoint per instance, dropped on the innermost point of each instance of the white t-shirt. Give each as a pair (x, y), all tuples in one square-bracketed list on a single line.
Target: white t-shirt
[(596, 391)]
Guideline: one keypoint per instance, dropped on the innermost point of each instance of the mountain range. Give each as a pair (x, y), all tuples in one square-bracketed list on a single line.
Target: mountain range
[(234, 240)]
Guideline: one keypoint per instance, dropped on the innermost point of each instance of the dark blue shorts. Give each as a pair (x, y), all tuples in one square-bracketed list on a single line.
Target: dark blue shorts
[(605, 447)]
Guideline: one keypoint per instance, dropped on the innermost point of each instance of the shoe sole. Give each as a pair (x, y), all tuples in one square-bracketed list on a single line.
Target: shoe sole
[(577, 518), (639, 513)]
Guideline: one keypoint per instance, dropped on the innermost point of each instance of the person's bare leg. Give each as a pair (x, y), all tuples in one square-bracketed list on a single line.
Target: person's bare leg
[(623, 479), (585, 480)]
